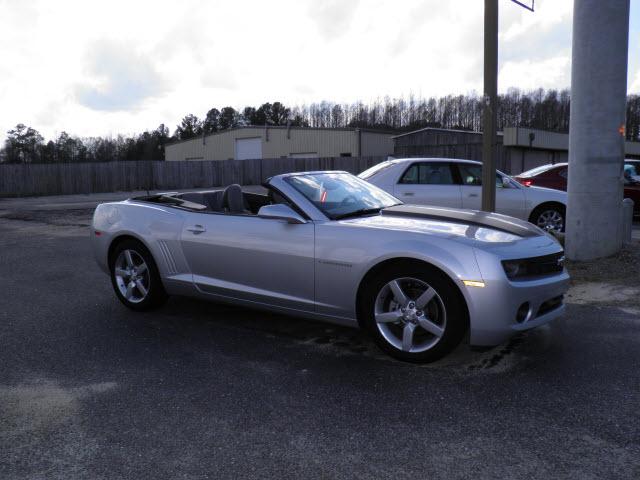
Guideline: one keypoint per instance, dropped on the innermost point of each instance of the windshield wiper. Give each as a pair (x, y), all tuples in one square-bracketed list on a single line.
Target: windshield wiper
[(357, 213)]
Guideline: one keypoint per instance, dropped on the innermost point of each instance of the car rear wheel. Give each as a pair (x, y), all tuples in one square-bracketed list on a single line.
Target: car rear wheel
[(414, 314), (549, 217), (135, 277)]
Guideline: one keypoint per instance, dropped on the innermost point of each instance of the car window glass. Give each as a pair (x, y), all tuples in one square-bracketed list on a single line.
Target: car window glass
[(563, 173), (631, 168), (436, 173), (375, 169), (472, 175)]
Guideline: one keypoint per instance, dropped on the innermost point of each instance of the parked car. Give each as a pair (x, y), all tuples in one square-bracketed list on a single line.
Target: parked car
[(329, 246), (556, 176), (458, 184)]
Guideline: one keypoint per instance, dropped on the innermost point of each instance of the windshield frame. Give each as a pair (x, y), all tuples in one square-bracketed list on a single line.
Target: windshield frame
[(290, 181)]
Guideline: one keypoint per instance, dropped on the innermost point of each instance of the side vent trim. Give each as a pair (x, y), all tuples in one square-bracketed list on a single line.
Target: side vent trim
[(167, 257)]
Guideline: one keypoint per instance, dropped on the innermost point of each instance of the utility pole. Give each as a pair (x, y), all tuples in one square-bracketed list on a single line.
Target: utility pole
[(596, 128), (490, 106)]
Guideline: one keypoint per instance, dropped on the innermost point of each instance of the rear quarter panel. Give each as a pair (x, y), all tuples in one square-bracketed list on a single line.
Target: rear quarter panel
[(159, 228)]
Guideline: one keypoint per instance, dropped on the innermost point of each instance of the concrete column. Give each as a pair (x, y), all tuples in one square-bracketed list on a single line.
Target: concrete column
[(596, 142)]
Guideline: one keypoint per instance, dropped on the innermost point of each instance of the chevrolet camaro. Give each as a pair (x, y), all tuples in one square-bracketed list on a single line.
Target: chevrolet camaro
[(330, 246)]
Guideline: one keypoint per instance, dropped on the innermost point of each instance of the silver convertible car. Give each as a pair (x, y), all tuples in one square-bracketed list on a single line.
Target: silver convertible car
[(329, 246)]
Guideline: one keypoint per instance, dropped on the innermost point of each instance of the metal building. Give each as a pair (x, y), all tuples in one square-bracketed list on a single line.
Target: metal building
[(518, 149), (243, 143)]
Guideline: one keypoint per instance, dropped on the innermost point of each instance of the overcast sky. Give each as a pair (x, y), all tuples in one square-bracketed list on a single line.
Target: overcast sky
[(103, 68)]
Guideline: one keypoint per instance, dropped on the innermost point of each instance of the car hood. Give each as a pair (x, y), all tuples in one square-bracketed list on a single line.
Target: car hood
[(467, 226)]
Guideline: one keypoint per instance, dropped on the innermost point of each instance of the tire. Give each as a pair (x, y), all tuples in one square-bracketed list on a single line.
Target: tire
[(549, 214), (435, 327), (135, 277)]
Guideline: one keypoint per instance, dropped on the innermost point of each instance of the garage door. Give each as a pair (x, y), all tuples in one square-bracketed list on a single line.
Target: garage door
[(248, 148)]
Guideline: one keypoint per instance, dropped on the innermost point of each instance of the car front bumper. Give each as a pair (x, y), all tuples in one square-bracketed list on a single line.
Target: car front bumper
[(503, 307)]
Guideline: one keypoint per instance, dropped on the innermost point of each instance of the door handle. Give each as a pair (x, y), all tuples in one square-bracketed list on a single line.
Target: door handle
[(473, 195), (197, 229), (408, 194)]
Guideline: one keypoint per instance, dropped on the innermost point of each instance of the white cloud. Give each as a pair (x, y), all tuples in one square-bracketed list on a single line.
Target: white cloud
[(99, 68), (635, 85), (529, 75)]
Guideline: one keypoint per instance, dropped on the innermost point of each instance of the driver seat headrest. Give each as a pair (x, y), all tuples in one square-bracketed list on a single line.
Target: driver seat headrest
[(233, 199)]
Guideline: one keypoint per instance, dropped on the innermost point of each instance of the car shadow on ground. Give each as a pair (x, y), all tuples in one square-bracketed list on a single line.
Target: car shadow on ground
[(184, 314)]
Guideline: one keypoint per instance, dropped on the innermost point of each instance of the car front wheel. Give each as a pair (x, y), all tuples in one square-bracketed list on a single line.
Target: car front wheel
[(414, 314)]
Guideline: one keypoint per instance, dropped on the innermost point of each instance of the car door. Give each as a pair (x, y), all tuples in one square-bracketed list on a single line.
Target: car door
[(251, 258), (510, 200), (428, 183)]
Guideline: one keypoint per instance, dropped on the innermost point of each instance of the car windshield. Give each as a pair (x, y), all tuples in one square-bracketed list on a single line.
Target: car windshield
[(632, 169), (341, 195), (375, 169)]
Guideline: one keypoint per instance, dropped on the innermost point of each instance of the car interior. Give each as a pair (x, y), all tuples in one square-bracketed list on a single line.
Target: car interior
[(231, 200)]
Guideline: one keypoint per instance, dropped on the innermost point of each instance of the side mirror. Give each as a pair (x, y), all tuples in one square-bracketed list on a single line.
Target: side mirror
[(506, 182), (281, 211)]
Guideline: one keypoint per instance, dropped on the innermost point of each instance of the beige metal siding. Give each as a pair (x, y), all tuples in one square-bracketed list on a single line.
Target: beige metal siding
[(276, 143), (519, 137), (191, 149)]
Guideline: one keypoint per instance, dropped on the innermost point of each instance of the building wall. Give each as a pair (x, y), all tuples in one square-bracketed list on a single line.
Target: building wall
[(518, 149), (441, 143), (522, 159), (374, 144), (283, 142)]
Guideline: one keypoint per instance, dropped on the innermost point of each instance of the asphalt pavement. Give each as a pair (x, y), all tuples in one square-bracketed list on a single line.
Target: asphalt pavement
[(89, 389)]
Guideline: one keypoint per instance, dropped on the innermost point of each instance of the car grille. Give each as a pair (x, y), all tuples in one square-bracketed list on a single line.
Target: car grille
[(527, 268)]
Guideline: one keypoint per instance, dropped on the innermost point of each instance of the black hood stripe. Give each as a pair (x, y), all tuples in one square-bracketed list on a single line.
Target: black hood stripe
[(495, 221)]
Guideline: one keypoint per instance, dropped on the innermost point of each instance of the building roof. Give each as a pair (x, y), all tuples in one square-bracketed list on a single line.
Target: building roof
[(436, 129), (281, 127)]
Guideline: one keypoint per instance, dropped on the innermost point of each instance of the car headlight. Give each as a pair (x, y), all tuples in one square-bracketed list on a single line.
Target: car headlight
[(534, 267), (513, 267)]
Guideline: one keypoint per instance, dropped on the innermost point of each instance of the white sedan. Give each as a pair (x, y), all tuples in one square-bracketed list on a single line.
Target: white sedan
[(456, 183)]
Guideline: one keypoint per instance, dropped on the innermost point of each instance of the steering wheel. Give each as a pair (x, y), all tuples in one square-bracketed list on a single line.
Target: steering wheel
[(348, 200)]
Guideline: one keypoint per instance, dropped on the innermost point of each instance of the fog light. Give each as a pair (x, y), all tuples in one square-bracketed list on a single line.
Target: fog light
[(522, 313)]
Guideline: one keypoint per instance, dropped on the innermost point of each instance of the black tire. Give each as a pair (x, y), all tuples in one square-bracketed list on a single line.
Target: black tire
[(543, 209), (155, 295), (457, 319)]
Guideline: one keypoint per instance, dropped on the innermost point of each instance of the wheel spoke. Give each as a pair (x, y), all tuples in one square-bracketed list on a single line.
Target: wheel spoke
[(407, 337), (141, 269), (398, 294), (141, 288), (120, 272), (127, 256), (425, 298), (129, 293), (431, 327), (388, 317)]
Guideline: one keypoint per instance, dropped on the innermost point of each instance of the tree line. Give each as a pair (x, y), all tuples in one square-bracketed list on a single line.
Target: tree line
[(541, 109)]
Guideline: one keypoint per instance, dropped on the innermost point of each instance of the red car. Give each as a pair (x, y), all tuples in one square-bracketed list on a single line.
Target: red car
[(555, 176)]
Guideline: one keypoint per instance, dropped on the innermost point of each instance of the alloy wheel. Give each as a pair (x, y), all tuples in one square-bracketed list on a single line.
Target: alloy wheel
[(132, 276), (410, 315), (550, 220)]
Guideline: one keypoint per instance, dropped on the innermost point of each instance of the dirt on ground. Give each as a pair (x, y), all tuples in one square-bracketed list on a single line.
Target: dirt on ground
[(607, 281)]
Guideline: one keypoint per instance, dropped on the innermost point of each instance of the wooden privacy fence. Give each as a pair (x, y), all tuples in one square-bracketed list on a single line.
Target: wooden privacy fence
[(73, 178)]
